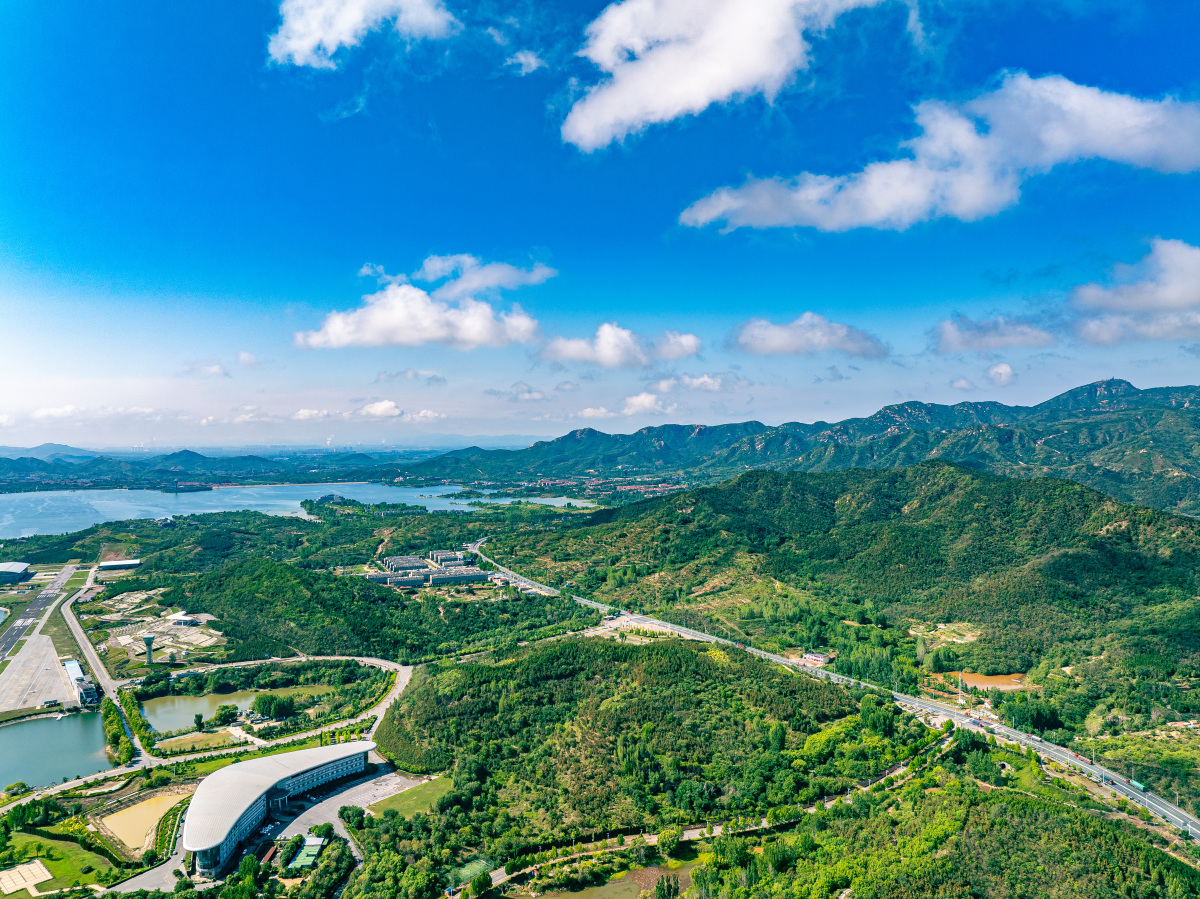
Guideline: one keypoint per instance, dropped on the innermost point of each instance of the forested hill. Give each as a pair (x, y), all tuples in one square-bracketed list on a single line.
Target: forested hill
[(1033, 563), (1135, 445)]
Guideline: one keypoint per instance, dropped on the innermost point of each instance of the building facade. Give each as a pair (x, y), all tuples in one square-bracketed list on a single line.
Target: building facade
[(232, 803)]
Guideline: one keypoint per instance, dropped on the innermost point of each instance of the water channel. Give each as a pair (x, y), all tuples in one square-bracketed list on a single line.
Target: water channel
[(43, 751), (64, 511)]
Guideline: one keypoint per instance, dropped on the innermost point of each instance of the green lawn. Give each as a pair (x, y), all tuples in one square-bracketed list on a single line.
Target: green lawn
[(198, 742), (418, 799), (65, 861), (65, 644)]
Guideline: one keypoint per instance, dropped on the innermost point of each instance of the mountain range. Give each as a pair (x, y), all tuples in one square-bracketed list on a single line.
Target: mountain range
[(1136, 445)]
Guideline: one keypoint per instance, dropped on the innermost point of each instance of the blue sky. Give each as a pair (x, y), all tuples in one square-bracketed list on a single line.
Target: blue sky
[(379, 221)]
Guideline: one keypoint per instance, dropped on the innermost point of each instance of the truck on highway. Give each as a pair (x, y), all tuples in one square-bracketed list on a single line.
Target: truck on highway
[(1137, 786)]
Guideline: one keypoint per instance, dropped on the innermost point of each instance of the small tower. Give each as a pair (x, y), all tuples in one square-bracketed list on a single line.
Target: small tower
[(149, 641)]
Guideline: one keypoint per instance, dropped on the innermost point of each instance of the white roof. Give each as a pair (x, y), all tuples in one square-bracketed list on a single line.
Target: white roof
[(14, 567), (224, 796), (120, 563)]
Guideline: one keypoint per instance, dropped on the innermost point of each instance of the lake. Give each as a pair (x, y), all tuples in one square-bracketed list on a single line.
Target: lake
[(174, 712), (65, 511), (44, 751)]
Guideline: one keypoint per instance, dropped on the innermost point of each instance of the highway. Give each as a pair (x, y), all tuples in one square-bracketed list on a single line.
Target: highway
[(33, 613), (1116, 782)]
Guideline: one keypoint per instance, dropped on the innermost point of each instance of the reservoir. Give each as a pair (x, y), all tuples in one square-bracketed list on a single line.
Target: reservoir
[(44, 751), (174, 712), (65, 511)]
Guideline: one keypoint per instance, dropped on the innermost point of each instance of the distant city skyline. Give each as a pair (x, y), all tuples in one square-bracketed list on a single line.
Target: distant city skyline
[(393, 222)]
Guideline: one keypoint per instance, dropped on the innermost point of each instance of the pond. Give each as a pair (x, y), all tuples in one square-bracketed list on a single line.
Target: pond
[(43, 751), (174, 712), (66, 511)]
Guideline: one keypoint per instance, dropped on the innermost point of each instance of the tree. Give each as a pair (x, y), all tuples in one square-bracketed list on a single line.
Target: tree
[(481, 883), (226, 714), (668, 840), (199, 720)]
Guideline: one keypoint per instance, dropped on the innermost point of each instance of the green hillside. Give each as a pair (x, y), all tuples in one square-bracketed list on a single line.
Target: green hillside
[(1136, 445), (1035, 564), (594, 735), (266, 607)]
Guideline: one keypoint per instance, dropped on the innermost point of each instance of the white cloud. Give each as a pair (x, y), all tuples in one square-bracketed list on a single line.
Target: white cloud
[(410, 374), (670, 58), (617, 347), (645, 404), (962, 384), (381, 409), (526, 61), (710, 383), (311, 414), (960, 334), (207, 368), (520, 392), (810, 333), (566, 386), (1001, 374), (674, 345), (1156, 299), (312, 31), (7, 421), (970, 159), (386, 409), (612, 347), (666, 385), (423, 417), (468, 276), (595, 412), (67, 411), (248, 360), (401, 314)]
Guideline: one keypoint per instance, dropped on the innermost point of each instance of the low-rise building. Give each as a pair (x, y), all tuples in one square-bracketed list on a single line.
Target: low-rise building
[(230, 804), (13, 572), (459, 575), (84, 686), (399, 563), (119, 564)]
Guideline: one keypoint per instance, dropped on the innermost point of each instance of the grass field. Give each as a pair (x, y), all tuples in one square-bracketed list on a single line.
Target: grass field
[(205, 768), (65, 861), (57, 629), (198, 742), (418, 799)]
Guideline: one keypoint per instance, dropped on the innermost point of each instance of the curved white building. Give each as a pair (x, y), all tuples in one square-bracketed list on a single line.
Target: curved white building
[(231, 803)]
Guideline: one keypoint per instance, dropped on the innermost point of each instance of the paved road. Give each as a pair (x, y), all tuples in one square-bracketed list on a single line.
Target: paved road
[(517, 579), (1165, 810), (34, 611)]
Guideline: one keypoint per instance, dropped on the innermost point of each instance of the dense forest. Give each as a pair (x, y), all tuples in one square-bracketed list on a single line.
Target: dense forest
[(593, 735), (273, 608), (1034, 564)]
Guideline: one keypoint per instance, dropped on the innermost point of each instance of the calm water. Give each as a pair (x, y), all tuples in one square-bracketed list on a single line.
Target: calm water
[(44, 751), (64, 511), (173, 712)]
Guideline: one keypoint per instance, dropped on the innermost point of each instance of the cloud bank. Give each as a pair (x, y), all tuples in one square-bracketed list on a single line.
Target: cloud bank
[(1156, 299), (670, 58), (617, 347), (402, 314), (971, 158), (809, 334), (312, 31)]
